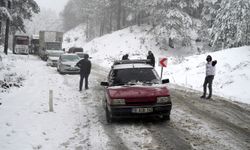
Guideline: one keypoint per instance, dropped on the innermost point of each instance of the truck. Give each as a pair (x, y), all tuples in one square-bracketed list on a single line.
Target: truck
[(20, 44), (34, 44), (49, 42)]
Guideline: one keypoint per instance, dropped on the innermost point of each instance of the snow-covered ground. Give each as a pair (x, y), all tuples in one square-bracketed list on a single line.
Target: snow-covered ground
[(78, 121), (26, 122), (75, 37), (233, 68), (232, 73)]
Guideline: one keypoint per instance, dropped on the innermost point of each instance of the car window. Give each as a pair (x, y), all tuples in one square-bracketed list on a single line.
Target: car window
[(54, 54), (81, 55), (133, 76), (70, 58)]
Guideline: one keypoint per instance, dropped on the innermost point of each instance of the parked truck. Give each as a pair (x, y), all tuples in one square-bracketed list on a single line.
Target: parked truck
[(20, 44), (49, 42), (34, 44)]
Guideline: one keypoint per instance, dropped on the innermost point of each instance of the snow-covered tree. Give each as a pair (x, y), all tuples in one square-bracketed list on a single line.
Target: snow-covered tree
[(232, 24), (170, 18), (47, 19), (21, 10)]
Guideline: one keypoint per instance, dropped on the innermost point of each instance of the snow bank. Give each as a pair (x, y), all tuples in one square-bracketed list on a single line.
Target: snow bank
[(232, 73), (75, 37), (8, 76), (233, 70)]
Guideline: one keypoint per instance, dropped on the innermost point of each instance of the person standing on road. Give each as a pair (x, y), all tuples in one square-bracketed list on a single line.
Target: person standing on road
[(151, 57), (210, 73), (85, 68)]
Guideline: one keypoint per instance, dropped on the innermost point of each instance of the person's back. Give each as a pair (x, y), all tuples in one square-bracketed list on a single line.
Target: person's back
[(125, 57), (151, 58), (85, 66)]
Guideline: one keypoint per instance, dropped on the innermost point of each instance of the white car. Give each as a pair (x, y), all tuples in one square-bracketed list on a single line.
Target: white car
[(67, 64), (53, 57)]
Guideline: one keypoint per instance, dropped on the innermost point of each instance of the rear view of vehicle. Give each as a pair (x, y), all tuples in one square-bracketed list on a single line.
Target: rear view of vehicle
[(20, 44), (134, 89), (49, 41), (53, 58), (34, 44), (75, 50), (67, 64)]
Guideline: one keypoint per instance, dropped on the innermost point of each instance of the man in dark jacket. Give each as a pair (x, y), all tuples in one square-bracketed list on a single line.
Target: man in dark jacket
[(85, 68), (151, 57), (125, 57), (210, 73)]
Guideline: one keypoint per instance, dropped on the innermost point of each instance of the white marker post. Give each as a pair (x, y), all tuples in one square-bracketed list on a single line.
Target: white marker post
[(163, 64), (51, 101)]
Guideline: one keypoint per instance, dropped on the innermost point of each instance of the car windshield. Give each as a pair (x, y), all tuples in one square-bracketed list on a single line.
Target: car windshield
[(54, 54), (70, 58), (135, 76), (81, 55)]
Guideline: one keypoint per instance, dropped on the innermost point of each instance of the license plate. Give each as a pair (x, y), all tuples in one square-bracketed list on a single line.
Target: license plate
[(142, 110), (72, 69)]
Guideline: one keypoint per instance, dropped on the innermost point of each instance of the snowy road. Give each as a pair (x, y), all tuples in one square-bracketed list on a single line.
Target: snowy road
[(79, 119)]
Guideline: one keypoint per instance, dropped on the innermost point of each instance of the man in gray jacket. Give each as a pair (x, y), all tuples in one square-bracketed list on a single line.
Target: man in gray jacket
[(210, 73)]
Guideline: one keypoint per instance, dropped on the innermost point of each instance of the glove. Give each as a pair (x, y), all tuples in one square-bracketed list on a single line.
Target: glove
[(214, 62)]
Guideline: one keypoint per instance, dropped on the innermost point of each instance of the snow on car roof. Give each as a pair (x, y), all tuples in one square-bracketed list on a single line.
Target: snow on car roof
[(67, 54), (126, 66)]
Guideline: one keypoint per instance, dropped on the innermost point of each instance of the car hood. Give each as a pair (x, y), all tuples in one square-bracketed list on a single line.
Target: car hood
[(138, 91), (71, 63), (53, 58), (54, 52)]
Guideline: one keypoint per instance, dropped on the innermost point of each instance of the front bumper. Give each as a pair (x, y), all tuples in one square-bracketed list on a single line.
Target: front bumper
[(127, 111), (70, 70)]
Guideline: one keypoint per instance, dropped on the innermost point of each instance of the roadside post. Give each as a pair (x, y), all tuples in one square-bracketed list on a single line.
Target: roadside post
[(51, 101), (163, 64)]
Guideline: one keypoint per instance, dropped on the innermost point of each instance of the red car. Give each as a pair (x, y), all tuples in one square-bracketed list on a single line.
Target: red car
[(134, 89)]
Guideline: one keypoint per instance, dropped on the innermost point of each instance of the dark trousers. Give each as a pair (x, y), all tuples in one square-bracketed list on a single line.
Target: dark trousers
[(83, 76), (208, 81)]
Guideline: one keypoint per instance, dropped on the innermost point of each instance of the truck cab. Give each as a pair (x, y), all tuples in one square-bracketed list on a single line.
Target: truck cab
[(21, 44)]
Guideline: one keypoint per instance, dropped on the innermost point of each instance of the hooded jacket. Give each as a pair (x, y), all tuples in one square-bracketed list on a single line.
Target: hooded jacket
[(210, 69), (85, 66)]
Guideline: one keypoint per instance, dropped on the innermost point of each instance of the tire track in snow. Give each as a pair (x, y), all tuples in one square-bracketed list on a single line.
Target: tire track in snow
[(227, 124)]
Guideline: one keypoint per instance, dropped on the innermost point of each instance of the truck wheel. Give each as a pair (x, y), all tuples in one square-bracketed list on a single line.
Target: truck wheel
[(108, 116)]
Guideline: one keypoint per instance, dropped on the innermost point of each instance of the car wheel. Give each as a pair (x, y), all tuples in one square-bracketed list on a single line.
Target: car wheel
[(59, 70), (108, 116)]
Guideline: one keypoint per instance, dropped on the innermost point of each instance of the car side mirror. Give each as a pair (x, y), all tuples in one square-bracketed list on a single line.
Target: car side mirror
[(165, 81), (104, 84)]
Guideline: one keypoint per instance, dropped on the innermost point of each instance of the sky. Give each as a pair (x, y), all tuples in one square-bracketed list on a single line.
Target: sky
[(56, 5)]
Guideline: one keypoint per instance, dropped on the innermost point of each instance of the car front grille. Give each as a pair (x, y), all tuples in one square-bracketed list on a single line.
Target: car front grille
[(140, 101)]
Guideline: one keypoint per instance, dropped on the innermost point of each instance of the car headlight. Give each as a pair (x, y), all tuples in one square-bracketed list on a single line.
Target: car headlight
[(161, 100), (118, 102)]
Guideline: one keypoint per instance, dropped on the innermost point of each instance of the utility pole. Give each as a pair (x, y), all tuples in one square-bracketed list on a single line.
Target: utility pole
[(7, 28)]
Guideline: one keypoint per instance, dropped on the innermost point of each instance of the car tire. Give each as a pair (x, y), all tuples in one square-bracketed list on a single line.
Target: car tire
[(59, 70), (108, 115)]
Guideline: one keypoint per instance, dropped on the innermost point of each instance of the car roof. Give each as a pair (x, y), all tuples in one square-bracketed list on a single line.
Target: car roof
[(69, 55), (127, 64), (130, 66)]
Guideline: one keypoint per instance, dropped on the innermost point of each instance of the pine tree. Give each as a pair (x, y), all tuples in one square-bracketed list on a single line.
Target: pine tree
[(20, 11), (232, 24)]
